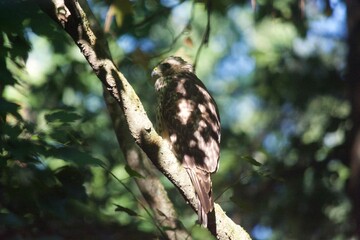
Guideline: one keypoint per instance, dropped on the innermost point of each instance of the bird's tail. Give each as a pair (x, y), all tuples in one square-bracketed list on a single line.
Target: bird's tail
[(202, 184)]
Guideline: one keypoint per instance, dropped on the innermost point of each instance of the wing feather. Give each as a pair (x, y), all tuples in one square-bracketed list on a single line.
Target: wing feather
[(189, 120)]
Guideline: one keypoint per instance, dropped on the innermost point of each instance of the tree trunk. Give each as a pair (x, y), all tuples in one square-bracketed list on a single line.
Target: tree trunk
[(353, 81)]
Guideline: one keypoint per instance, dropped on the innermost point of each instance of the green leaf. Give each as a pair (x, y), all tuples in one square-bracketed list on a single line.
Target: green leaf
[(12, 131), (127, 210), (62, 116), (251, 160), (75, 156), (132, 172), (9, 107)]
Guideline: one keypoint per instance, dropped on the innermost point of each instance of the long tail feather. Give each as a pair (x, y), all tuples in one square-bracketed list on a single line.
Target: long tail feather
[(202, 184)]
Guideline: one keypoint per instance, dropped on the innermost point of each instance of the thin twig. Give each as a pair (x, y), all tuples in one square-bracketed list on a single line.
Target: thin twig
[(205, 39)]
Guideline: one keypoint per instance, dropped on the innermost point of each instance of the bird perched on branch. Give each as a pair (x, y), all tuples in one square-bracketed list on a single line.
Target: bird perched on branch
[(188, 118)]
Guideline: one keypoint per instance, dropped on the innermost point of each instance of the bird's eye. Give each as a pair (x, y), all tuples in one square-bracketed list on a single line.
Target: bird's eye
[(165, 66)]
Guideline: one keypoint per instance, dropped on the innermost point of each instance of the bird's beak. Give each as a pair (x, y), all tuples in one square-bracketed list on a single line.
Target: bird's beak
[(155, 74)]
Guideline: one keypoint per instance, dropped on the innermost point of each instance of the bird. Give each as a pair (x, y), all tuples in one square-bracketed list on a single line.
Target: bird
[(187, 117)]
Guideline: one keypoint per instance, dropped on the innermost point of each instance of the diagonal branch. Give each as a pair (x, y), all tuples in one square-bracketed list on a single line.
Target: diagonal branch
[(77, 25)]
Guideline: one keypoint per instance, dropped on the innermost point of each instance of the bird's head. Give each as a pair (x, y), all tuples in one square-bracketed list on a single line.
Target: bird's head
[(170, 66)]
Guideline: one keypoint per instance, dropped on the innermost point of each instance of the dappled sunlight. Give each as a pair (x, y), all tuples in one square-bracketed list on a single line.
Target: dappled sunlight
[(277, 72), (40, 61)]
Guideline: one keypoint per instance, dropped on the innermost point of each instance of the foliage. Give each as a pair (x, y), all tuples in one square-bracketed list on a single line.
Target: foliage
[(277, 77)]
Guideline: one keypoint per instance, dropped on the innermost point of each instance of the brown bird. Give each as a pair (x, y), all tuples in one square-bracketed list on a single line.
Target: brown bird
[(188, 118)]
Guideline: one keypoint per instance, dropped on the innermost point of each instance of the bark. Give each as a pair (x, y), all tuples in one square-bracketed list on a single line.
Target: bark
[(71, 16), (353, 80)]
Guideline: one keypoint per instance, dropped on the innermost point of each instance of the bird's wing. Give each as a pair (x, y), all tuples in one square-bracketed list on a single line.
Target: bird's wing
[(191, 118)]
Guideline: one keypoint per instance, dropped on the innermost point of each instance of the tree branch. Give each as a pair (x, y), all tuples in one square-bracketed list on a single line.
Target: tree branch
[(76, 24)]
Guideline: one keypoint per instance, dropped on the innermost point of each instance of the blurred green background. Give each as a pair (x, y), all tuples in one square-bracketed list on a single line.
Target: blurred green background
[(276, 72)]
